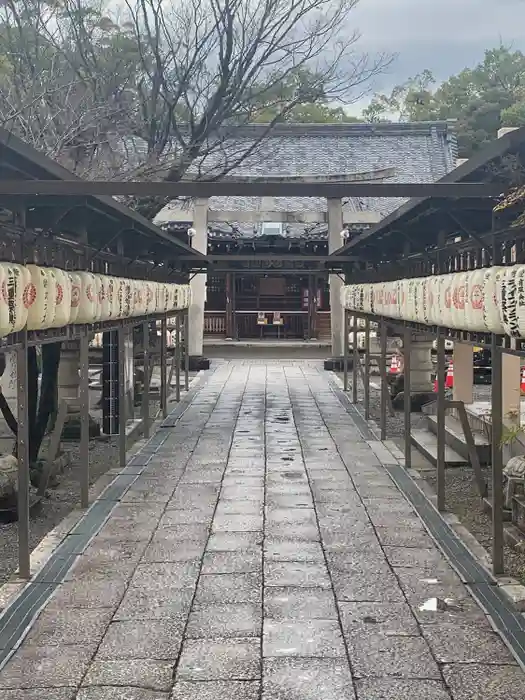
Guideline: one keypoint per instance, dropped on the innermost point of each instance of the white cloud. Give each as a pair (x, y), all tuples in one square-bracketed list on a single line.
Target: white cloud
[(443, 36)]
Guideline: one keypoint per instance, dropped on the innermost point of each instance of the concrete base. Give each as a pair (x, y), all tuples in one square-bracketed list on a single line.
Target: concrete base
[(71, 429), (396, 382), (59, 465), (267, 349), (337, 364), (418, 399), (197, 363)]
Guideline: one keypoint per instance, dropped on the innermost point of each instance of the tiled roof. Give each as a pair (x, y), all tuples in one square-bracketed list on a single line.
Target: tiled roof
[(418, 152)]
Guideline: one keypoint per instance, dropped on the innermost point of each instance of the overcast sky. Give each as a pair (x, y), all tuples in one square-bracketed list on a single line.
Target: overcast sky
[(442, 35)]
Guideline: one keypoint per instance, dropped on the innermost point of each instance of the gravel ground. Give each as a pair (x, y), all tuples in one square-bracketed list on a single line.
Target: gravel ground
[(461, 495), (462, 499), (60, 501), (395, 424)]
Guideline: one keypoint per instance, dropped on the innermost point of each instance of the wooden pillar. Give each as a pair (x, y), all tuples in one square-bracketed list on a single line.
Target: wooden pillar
[(312, 307), (463, 372), (440, 466), (234, 307), (510, 389), (198, 282), (335, 225), (229, 306)]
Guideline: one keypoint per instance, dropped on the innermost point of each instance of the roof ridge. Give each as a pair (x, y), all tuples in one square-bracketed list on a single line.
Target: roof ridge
[(343, 129)]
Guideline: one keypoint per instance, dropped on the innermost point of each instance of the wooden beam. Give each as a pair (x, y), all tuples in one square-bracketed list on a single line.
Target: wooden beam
[(184, 215), (276, 257), (271, 271), (291, 217), (261, 188)]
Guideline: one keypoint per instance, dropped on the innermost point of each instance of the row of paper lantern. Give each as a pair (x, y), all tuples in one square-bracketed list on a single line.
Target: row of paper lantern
[(48, 297), (489, 300)]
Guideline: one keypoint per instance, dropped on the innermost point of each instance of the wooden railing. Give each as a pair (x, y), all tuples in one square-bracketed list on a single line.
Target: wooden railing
[(214, 323), (245, 323), (295, 325)]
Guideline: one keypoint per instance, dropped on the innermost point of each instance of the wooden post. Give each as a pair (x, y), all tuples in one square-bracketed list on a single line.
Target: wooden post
[(235, 330), (384, 385), (407, 341), (335, 225), (464, 372), (498, 416), (163, 367), (186, 353), (177, 357), (367, 369), (345, 350), (145, 387), (24, 555), (355, 358), (498, 558), (229, 307), (312, 306), (122, 397), (84, 419), (510, 389), (440, 474)]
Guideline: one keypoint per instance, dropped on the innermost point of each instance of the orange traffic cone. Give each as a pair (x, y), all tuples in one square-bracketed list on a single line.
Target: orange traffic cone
[(394, 365), (449, 381), (522, 383)]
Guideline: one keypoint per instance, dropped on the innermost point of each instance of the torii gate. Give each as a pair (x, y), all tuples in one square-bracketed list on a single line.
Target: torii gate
[(199, 215)]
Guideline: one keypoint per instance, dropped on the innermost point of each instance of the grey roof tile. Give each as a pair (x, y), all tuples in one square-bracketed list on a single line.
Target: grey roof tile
[(422, 152)]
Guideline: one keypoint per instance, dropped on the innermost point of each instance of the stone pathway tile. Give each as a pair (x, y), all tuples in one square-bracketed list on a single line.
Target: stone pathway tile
[(216, 690), (390, 689), (142, 639), (229, 588), (220, 659), (46, 666), (307, 679), (142, 673), (120, 693), (389, 619), (303, 638), (470, 642), (262, 554), (70, 626), (38, 693), (485, 682), (299, 604), (233, 620), (402, 657)]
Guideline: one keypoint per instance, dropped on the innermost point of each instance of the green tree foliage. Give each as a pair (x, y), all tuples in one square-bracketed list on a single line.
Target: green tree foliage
[(308, 90), (481, 99)]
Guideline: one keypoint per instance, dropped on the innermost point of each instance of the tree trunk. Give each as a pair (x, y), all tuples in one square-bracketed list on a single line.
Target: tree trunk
[(48, 397)]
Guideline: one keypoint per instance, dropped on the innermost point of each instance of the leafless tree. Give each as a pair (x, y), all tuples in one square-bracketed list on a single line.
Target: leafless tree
[(211, 65), (159, 89), (64, 84)]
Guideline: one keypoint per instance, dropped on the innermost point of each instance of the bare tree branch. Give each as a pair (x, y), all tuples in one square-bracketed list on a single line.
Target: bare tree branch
[(158, 88)]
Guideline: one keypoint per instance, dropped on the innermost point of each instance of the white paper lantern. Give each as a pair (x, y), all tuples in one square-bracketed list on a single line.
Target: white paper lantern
[(63, 298), (5, 325), (475, 301), (42, 298), (88, 303), (76, 284)]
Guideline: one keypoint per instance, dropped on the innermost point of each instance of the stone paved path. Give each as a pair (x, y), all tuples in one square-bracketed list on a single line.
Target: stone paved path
[(263, 553)]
